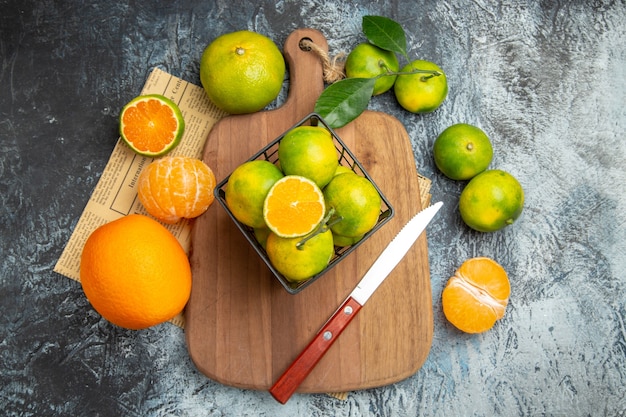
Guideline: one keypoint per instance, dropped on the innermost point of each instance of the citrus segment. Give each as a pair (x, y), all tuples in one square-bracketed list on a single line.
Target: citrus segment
[(462, 151), (134, 272), (476, 296), (491, 201), (247, 188), (294, 206), (309, 151), (151, 125), (173, 188), (356, 201), (242, 72), (421, 92), (298, 263)]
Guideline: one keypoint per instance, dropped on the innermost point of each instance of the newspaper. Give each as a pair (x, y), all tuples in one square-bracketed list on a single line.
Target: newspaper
[(115, 194)]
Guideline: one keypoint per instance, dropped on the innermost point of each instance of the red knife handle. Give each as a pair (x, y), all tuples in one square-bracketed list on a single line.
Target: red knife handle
[(291, 379)]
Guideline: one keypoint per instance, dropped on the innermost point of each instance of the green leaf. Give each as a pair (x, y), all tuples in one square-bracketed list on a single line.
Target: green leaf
[(344, 101), (385, 33)]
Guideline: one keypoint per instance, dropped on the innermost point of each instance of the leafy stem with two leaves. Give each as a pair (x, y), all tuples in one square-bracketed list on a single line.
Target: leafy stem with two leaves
[(343, 101)]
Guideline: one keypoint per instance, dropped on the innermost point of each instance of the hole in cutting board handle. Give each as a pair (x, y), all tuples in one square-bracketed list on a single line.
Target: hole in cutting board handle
[(302, 45)]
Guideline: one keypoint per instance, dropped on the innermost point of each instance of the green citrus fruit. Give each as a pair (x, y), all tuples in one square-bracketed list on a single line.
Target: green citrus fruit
[(261, 233), (356, 200), (151, 125), (339, 240), (368, 61), (342, 169), (247, 188), (309, 151), (491, 201), (421, 92), (242, 72), (298, 264), (462, 151)]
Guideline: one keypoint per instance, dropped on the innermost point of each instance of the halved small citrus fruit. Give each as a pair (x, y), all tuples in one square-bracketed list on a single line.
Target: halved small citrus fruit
[(151, 125), (294, 206), (476, 296)]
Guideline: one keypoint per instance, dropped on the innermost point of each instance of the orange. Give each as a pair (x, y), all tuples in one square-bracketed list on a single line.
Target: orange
[(151, 125), (462, 151), (421, 92), (242, 72), (368, 61), (491, 201), (134, 272), (173, 188), (298, 263), (356, 201), (309, 151), (477, 295), (247, 188), (294, 206)]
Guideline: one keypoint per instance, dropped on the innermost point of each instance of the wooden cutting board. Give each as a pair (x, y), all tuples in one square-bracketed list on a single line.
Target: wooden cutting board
[(242, 328)]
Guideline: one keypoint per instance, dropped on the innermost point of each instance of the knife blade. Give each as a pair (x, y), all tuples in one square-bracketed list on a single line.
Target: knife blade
[(290, 380)]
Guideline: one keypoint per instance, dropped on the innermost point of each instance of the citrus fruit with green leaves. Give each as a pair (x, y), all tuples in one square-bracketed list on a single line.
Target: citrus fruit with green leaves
[(298, 263), (151, 125), (369, 61), (356, 201), (247, 188), (462, 151), (309, 151), (242, 72), (421, 92), (294, 206), (134, 272), (491, 201)]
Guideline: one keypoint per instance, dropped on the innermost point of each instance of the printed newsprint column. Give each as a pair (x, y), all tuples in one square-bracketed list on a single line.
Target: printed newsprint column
[(115, 194)]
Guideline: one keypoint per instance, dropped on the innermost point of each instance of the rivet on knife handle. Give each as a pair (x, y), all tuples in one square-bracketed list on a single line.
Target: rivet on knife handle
[(291, 379)]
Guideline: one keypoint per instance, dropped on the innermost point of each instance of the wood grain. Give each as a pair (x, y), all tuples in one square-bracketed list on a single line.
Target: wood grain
[(242, 328)]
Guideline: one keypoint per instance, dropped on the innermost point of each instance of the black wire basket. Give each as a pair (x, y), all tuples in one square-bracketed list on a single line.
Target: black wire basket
[(347, 159)]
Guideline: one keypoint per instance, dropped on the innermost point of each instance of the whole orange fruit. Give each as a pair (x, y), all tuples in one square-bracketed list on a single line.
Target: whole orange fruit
[(421, 92), (173, 188), (135, 273), (242, 72), (462, 151), (491, 201), (476, 296)]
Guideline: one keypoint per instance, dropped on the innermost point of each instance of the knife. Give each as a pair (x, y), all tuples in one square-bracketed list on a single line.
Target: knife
[(291, 379)]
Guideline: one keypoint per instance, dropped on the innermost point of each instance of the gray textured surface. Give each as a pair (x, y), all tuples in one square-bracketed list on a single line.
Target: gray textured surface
[(545, 80)]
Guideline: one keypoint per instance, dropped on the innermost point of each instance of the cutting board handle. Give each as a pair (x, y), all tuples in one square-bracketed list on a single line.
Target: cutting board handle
[(306, 74)]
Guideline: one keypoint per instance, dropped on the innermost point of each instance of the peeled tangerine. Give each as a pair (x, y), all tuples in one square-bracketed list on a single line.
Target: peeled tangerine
[(477, 295), (173, 188)]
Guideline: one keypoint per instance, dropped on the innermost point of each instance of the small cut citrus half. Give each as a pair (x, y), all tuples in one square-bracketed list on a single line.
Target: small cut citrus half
[(294, 206), (151, 125), (476, 296)]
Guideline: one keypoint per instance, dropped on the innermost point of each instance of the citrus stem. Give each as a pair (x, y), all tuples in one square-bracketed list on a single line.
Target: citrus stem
[(323, 227), (431, 73)]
